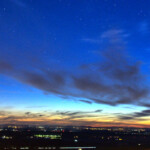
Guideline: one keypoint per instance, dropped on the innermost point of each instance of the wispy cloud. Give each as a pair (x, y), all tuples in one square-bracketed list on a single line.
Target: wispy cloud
[(135, 115), (111, 36), (79, 118), (77, 114), (86, 101)]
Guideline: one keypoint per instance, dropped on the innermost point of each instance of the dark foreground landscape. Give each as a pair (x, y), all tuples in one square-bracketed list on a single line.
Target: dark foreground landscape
[(79, 138)]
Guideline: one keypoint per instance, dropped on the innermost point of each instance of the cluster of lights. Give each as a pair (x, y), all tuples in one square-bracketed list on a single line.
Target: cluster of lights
[(6, 137), (77, 148), (52, 137)]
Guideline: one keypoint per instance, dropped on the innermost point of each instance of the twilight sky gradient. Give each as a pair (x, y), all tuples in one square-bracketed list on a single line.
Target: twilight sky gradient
[(75, 62)]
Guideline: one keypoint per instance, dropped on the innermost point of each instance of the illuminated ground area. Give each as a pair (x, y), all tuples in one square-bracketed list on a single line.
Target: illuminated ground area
[(79, 138)]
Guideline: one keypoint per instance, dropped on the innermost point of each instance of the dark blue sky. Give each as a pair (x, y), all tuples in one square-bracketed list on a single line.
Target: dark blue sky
[(81, 54), (57, 28)]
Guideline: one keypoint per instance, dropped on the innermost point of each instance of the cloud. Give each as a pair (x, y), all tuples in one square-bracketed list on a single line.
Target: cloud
[(5, 66), (135, 115), (114, 79), (73, 118), (7, 117), (63, 122), (27, 113), (2, 113), (98, 110), (146, 105), (113, 36), (69, 115), (86, 101)]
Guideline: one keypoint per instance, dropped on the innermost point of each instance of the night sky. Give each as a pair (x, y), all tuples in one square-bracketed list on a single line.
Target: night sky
[(75, 62)]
